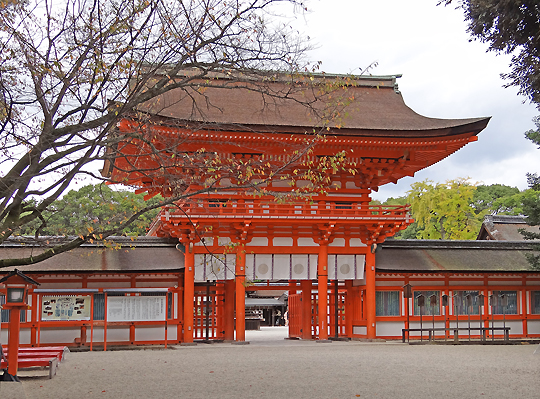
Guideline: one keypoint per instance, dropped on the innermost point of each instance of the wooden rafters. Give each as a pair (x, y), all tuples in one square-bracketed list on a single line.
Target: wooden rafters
[(370, 161)]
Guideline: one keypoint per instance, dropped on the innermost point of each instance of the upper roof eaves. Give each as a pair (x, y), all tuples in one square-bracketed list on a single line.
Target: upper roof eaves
[(374, 107)]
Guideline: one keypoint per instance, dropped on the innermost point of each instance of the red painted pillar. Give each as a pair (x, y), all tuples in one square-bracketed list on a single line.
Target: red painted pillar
[(306, 286), (189, 292), (13, 341), (240, 282), (523, 307), (370, 295), (348, 309), (228, 314), (322, 290)]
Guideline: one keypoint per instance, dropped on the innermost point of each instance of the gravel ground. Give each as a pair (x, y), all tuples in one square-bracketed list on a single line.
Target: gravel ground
[(270, 367)]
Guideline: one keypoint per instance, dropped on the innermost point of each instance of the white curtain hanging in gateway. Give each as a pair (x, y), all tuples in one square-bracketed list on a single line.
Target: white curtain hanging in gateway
[(278, 267)]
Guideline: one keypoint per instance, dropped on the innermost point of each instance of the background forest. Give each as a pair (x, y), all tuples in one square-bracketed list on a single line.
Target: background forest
[(453, 210)]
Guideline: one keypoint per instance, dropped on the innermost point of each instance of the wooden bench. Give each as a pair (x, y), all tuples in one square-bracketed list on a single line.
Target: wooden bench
[(45, 356), (431, 331), (51, 362), (43, 351)]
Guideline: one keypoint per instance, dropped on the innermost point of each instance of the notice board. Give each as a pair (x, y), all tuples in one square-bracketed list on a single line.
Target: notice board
[(136, 308)]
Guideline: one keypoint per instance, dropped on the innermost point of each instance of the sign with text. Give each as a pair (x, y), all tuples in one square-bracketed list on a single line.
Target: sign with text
[(136, 308), (75, 307)]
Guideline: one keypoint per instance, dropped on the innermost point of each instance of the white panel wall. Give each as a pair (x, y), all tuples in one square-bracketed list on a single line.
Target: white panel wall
[(4, 336), (360, 330), (59, 335), (258, 242), (356, 242), (307, 242), (389, 328), (533, 326), (97, 334), (283, 241), (516, 326), (338, 242), (117, 334), (426, 323), (149, 333), (25, 337)]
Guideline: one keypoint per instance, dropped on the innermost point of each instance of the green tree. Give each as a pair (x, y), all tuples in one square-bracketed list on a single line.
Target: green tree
[(531, 208), (94, 208), (531, 203), (494, 199), (443, 211), (513, 27)]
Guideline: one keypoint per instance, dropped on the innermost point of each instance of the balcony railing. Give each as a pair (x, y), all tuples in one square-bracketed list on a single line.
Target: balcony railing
[(271, 210)]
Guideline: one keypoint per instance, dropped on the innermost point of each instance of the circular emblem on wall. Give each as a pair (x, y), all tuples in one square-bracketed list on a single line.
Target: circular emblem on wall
[(263, 268), (345, 269)]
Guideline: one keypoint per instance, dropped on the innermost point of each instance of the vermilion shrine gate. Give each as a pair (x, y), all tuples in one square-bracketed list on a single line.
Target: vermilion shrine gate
[(324, 245)]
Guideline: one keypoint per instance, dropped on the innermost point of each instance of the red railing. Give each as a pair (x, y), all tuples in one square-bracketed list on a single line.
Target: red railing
[(266, 209)]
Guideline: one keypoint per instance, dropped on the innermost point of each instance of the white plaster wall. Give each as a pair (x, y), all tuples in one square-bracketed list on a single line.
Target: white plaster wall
[(360, 330), (389, 328), (356, 242), (25, 337), (224, 241), (171, 333), (97, 335), (283, 241), (149, 333), (117, 334), (258, 241), (59, 335), (516, 326), (338, 242), (427, 323), (533, 326), (465, 324), (306, 242), (4, 336)]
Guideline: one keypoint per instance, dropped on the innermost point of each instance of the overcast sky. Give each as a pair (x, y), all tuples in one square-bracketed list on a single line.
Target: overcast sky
[(444, 76)]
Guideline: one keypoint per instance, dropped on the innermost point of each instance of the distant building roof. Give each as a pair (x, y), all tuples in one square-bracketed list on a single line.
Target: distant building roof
[(152, 254), (504, 228), (138, 255), (264, 302), (453, 256)]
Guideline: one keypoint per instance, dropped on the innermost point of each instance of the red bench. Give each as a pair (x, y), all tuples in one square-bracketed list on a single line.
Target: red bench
[(51, 362), (44, 351), (45, 356)]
